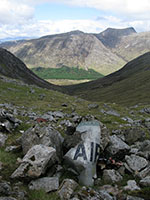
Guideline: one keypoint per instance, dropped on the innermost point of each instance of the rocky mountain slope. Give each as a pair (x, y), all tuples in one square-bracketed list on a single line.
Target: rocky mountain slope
[(38, 129), (128, 85), (73, 49), (111, 36), (105, 52), (13, 67)]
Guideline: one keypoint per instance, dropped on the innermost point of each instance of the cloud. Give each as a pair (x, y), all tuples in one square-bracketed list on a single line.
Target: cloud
[(15, 12), (17, 17)]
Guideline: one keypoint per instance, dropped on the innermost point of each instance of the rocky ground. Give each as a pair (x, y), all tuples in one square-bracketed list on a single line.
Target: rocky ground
[(39, 129)]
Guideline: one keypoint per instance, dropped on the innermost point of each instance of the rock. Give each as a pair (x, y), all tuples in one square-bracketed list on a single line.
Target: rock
[(117, 147), (145, 146), (93, 106), (58, 114), (113, 112), (1, 165), (104, 195), (145, 182), (70, 141), (35, 162), (83, 157), (136, 163), (144, 173), (48, 184), (104, 140), (131, 186), (67, 188), (133, 198), (3, 139), (42, 135), (145, 110), (132, 135), (111, 176), (113, 190), (5, 189), (128, 119), (13, 148)]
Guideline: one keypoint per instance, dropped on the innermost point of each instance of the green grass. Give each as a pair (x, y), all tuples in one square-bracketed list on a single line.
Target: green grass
[(42, 195), (70, 73)]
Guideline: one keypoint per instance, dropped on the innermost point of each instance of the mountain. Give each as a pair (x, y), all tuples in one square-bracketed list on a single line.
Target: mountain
[(132, 46), (13, 67), (128, 85), (72, 49), (111, 36), (105, 52)]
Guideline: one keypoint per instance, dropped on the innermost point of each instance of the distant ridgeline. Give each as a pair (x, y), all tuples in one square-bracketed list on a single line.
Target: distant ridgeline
[(71, 73)]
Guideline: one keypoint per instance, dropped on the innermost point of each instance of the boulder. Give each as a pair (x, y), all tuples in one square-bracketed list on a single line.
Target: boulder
[(145, 182), (48, 184), (5, 189), (83, 157), (131, 186), (117, 147), (35, 162), (133, 135), (111, 176), (42, 135), (67, 188), (136, 163)]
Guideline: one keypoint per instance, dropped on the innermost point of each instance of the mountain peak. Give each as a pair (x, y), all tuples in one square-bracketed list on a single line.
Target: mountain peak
[(111, 36)]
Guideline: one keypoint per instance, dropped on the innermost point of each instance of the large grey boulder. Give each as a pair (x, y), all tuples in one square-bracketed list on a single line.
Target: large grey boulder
[(67, 188), (42, 135), (145, 182), (48, 184), (83, 157), (111, 176), (35, 162), (117, 147), (136, 163)]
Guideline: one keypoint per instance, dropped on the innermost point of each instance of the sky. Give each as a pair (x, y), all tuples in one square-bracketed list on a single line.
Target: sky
[(36, 18)]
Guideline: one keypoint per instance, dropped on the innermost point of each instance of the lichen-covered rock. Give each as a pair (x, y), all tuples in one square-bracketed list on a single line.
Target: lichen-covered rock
[(35, 162), (67, 188), (117, 147), (48, 184), (136, 163), (42, 135), (111, 176)]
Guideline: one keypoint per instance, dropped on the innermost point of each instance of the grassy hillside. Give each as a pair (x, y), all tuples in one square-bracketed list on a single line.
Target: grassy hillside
[(65, 72), (127, 86)]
